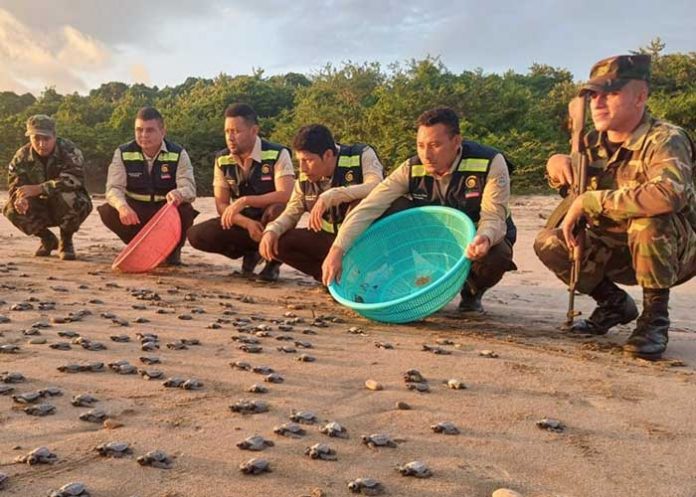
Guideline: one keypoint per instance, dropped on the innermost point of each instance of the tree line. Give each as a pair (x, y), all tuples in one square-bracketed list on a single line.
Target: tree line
[(523, 115)]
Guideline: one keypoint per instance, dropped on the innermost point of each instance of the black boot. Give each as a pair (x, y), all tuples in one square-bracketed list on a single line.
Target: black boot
[(174, 259), (249, 263), (271, 271), (649, 339), (614, 306), (66, 250), (49, 243), (471, 299)]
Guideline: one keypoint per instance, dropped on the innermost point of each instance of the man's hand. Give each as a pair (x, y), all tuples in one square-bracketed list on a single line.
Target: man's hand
[(255, 230), (478, 248), (268, 247), (560, 170), (570, 221), (175, 197), (315, 216), (227, 218), (128, 216), (21, 205), (332, 267), (29, 191)]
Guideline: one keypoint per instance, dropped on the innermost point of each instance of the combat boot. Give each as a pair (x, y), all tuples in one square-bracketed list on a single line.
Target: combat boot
[(471, 300), (271, 271), (249, 263), (649, 339), (49, 243), (66, 250), (614, 306)]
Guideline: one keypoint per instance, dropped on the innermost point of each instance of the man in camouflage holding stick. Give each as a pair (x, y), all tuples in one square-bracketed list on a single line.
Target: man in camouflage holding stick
[(640, 208), (46, 186)]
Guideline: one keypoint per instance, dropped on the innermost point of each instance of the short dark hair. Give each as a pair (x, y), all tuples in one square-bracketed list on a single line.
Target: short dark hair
[(440, 115), (150, 113), (314, 138), (245, 111)]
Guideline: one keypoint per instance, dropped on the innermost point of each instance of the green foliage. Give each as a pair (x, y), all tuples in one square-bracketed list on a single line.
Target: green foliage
[(524, 115)]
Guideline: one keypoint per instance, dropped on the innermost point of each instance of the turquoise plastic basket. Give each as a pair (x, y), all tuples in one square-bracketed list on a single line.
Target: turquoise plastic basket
[(406, 266)]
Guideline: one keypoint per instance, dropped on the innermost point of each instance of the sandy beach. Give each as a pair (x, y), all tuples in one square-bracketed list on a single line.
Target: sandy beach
[(630, 424)]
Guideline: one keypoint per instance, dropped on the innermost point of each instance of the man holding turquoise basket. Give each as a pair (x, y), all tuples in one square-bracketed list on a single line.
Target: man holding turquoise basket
[(451, 172)]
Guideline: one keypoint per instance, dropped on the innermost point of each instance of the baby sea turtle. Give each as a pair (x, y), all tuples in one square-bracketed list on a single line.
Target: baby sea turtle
[(384, 345), (192, 384), (415, 468), (366, 486), (75, 489), (114, 449), (149, 346), (40, 410), (550, 424), (303, 344), (255, 443), (273, 378), (178, 345), (68, 334), (93, 367), (6, 389), (250, 348), (264, 370), (286, 349), (94, 416), (418, 387), (83, 400), (120, 338), (289, 430), (151, 374), (61, 346), (190, 341), (321, 451), (414, 376), (156, 459), (333, 429), (378, 440), (255, 466), (9, 349), (150, 359), (174, 382), (240, 365), (141, 320), (249, 406), (445, 427), (12, 377), (305, 358), (303, 417), (123, 367), (51, 392), (488, 353), (455, 384), (42, 455), (31, 332), (256, 388), (435, 349), (27, 397)]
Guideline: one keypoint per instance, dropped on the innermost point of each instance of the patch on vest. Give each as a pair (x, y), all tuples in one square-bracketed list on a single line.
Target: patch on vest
[(350, 177), (265, 169), (135, 174), (471, 182), (164, 168)]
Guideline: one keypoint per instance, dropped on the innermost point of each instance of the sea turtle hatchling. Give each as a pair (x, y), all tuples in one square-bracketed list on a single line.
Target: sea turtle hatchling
[(12, 377), (27, 397), (249, 406), (305, 358), (51, 392), (334, 429), (178, 345), (9, 348), (415, 468), (289, 430), (445, 427), (250, 348), (149, 359), (435, 349), (255, 443), (114, 449), (264, 370), (255, 466), (378, 440), (94, 416), (273, 378), (75, 489), (192, 384), (414, 376), (123, 367), (40, 410), (303, 417), (321, 451), (455, 384), (156, 459), (83, 400), (418, 387), (240, 365), (174, 382), (257, 388), (366, 486), (41, 455), (6, 389), (151, 374), (120, 338), (550, 424), (61, 346)]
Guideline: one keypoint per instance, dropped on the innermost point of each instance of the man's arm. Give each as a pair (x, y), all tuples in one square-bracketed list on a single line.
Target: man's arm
[(283, 179), (669, 169), (373, 173), (70, 165), (185, 181), (291, 215), (495, 202), (116, 182)]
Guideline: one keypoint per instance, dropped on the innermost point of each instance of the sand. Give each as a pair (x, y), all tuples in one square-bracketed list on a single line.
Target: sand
[(630, 424)]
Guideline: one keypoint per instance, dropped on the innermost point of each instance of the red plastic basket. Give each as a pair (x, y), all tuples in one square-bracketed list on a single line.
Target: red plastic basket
[(153, 243)]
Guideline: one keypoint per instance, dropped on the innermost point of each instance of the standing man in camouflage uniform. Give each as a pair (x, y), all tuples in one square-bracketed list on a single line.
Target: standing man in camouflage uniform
[(252, 182), (640, 207), (46, 183)]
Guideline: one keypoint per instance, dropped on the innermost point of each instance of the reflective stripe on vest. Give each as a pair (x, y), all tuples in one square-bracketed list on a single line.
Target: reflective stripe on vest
[(266, 155), (473, 165), (329, 227), (145, 198)]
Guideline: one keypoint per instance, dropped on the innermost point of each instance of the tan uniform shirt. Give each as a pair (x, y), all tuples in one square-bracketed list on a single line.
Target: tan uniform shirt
[(372, 171), (117, 178), (283, 166), (494, 202)]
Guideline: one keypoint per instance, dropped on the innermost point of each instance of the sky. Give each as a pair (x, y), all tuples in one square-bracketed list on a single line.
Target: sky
[(76, 45)]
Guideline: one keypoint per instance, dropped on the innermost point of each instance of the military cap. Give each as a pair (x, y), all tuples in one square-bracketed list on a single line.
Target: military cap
[(40, 124), (613, 73)]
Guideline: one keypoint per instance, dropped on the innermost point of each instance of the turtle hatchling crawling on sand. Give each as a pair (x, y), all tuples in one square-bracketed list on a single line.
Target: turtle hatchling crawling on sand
[(42, 455), (415, 468), (40, 410), (445, 427), (83, 400), (76, 489), (94, 416), (321, 451), (114, 449), (255, 466), (255, 443), (289, 430), (249, 406), (366, 486), (303, 417), (156, 459), (333, 429), (378, 440)]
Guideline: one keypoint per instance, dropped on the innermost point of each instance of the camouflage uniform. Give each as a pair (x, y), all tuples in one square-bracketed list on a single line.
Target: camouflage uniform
[(641, 206), (64, 201)]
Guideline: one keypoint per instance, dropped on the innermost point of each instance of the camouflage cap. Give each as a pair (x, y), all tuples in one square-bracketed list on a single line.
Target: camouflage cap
[(613, 73), (40, 124)]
